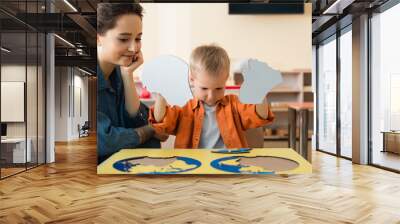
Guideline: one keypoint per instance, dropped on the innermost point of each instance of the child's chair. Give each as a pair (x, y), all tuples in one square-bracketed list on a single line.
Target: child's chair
[(255, 137)]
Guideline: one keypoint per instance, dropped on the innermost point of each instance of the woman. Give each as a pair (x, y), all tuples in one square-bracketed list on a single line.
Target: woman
[(121, 117)]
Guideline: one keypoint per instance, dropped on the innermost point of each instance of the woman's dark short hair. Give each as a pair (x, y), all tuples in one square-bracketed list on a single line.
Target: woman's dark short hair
[(108, 14)]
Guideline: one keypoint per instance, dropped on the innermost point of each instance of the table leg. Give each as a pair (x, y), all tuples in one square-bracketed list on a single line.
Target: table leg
[(292, 128), (303, 126), (384, 142)]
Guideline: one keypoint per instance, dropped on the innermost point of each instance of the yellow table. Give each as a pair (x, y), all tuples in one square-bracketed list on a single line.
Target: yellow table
[(203, 161)]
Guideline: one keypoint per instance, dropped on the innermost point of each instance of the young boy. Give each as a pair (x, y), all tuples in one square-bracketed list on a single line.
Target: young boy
[(210, 119)]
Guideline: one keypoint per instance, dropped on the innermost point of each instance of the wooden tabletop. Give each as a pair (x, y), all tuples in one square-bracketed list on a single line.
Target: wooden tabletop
[(301, 106)]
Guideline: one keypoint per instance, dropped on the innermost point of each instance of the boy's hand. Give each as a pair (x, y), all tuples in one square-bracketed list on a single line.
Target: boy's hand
[(159, 107), (263, 109)]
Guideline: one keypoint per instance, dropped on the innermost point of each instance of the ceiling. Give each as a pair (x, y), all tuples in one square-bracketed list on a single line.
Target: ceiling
[(79, 27), (331, 15)]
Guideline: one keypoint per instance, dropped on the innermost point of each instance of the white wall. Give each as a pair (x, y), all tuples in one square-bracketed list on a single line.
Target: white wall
[(14, 73), (61, 103), (80, 83), (68, 83), (283, 41), (12, 101)]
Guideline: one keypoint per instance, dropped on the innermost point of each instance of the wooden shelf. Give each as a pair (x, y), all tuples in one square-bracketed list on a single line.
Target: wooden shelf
[(302, 70), (280, 138), (279, 109), (290, 73), (307, 89), (285, 90), (275, 137)]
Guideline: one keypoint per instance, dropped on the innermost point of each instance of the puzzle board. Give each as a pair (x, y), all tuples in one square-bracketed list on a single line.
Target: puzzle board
[(203, 161)]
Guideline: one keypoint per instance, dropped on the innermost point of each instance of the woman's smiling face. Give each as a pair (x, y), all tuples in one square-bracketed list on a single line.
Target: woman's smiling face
[(121, 44)]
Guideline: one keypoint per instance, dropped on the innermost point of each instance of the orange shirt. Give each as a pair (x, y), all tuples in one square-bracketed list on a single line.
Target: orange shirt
[(233, 119)]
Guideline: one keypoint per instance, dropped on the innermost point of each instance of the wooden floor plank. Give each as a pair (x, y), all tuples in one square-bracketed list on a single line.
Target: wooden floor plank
[(70, 191)]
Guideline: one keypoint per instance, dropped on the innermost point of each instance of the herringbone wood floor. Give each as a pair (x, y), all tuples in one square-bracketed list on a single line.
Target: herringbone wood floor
[(70, 191)]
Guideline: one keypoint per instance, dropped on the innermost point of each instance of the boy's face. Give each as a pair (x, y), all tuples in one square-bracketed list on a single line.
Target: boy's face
[(208, 88)]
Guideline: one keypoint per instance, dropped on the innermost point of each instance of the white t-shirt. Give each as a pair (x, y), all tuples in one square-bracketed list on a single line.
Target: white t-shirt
[(210, 137)]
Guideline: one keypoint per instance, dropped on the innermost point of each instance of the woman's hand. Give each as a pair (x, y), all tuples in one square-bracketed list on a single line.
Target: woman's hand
[(132, 102), (137, 61)]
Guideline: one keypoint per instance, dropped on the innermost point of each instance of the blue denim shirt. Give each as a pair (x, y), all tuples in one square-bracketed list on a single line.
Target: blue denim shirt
[(115, 127)]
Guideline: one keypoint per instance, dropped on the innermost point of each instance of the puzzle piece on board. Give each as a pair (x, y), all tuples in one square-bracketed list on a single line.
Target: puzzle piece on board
[(168, 75), (157, 165), (259, 79)]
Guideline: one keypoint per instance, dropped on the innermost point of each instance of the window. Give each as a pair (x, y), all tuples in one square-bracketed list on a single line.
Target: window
[(22, 75), (385, 88), (327, 96), (346, 93)]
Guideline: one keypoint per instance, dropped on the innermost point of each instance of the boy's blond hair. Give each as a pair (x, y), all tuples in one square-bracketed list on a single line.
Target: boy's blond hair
[(210, 58)]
